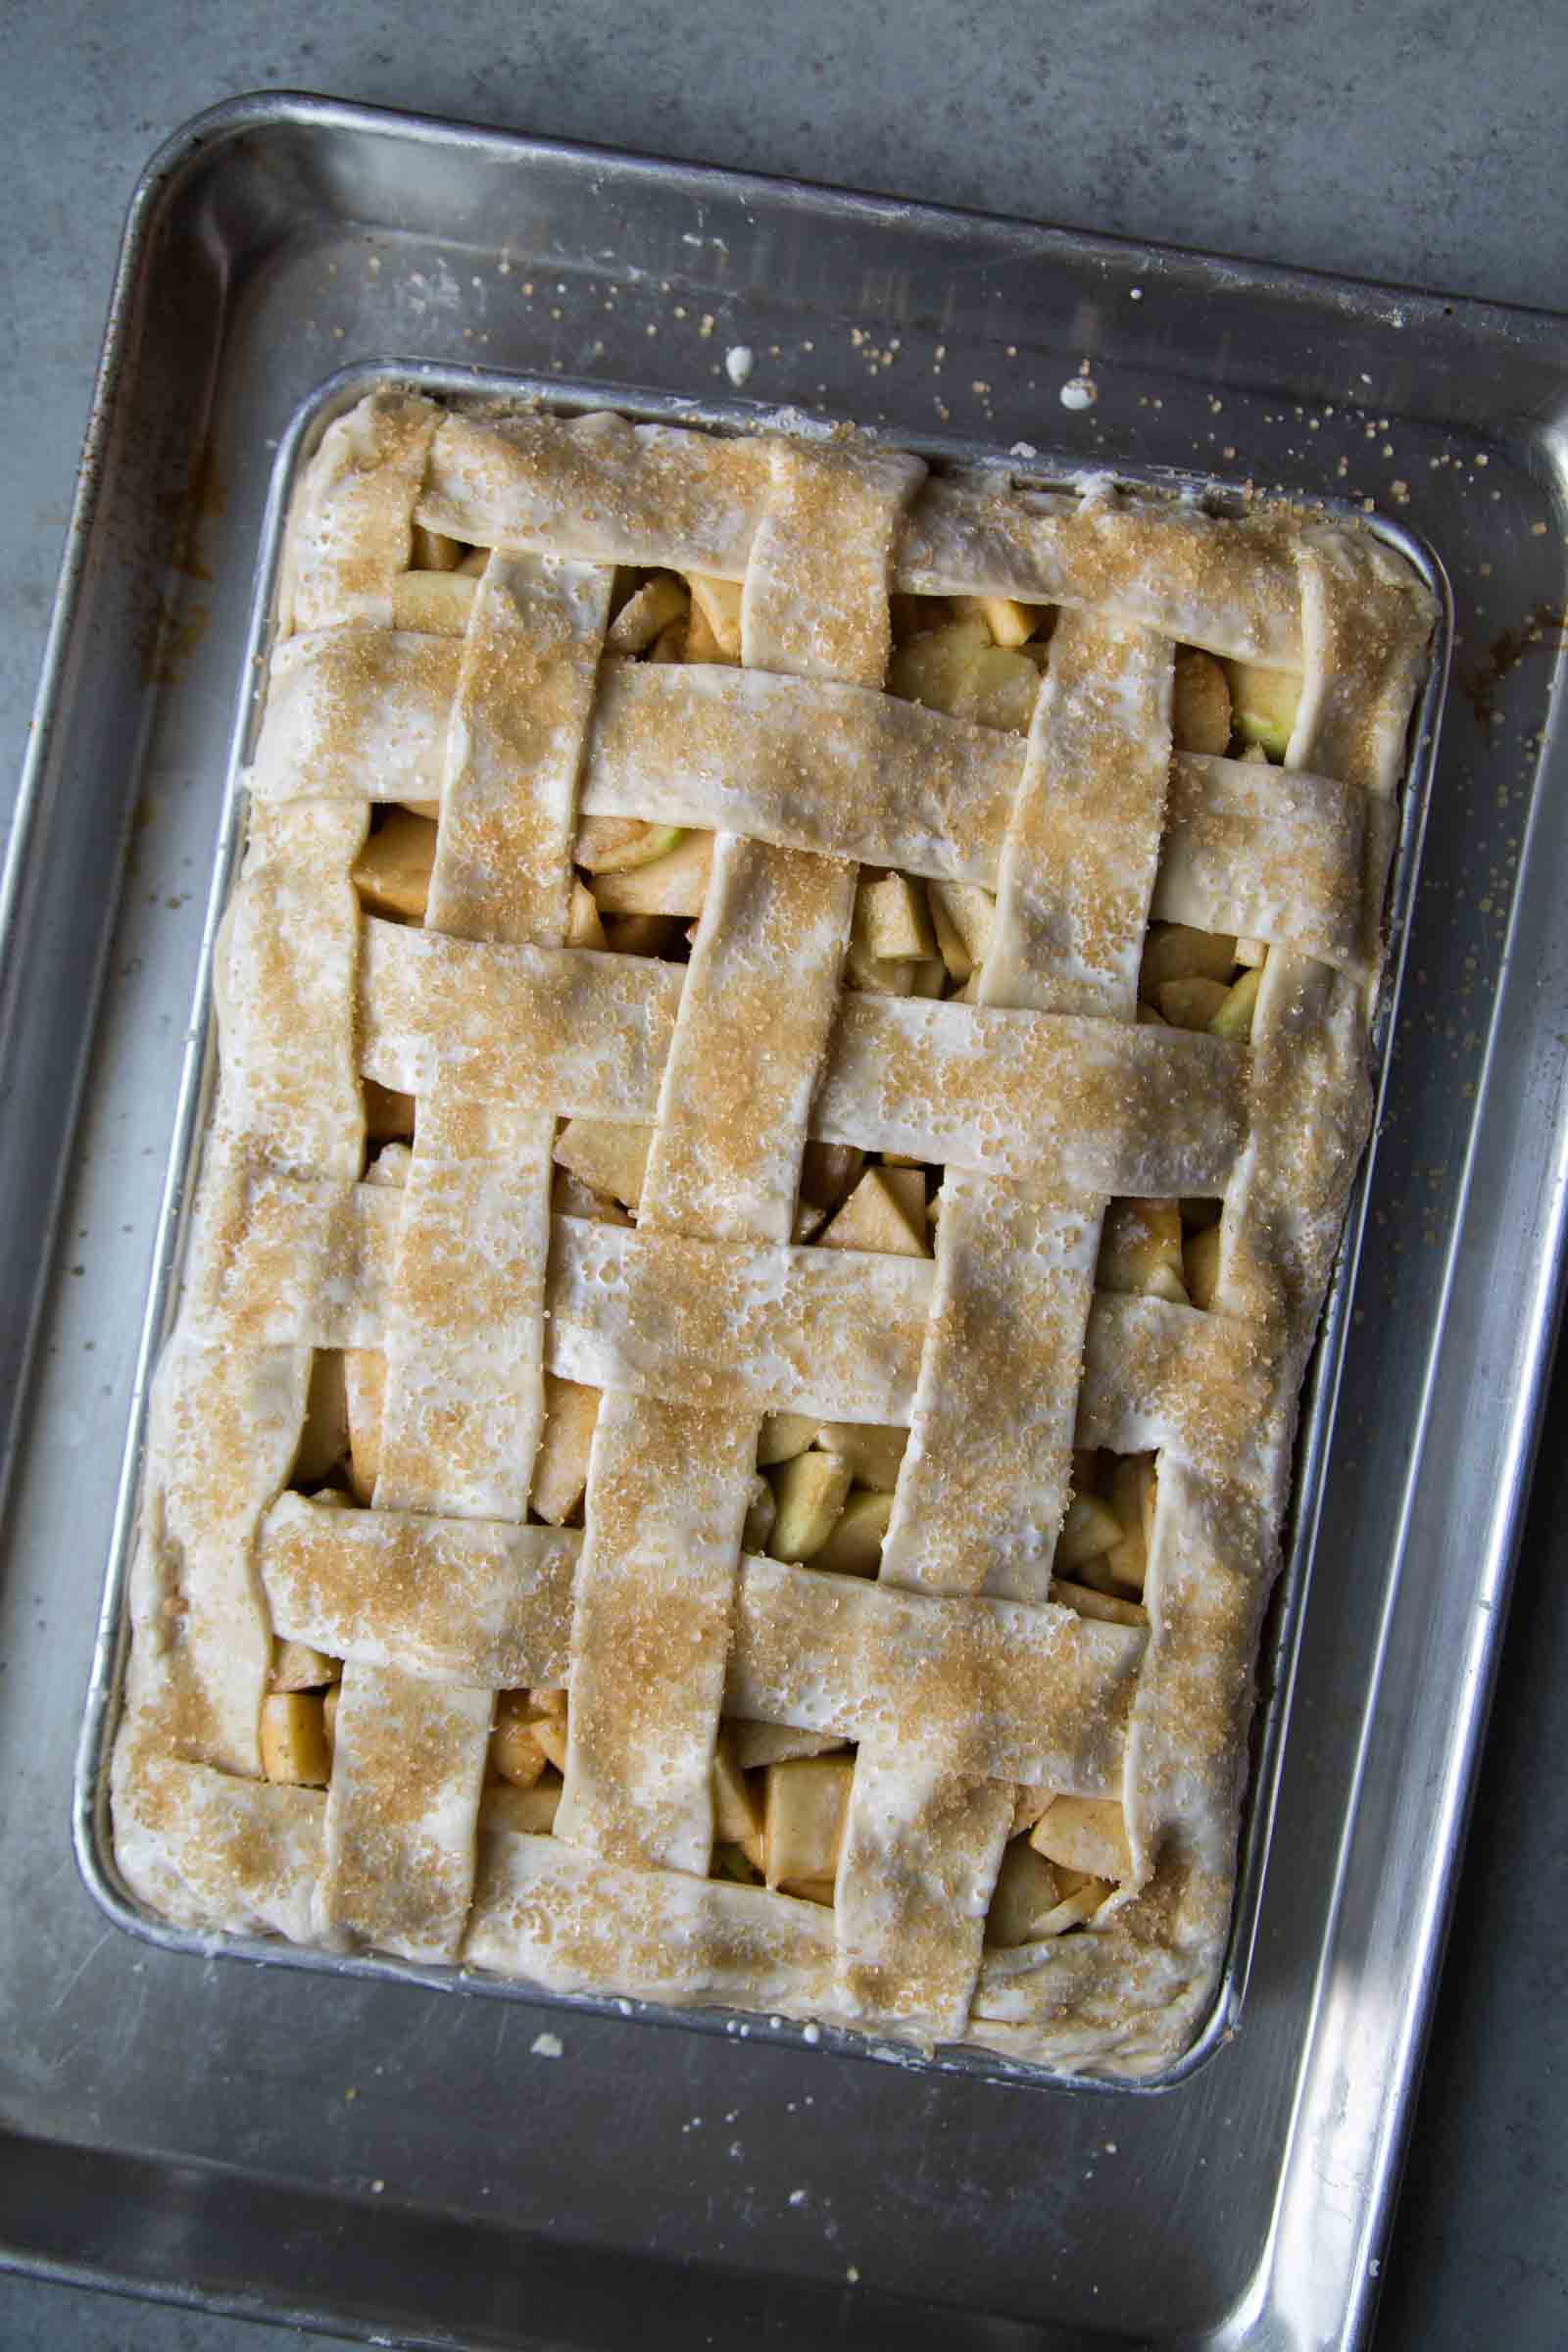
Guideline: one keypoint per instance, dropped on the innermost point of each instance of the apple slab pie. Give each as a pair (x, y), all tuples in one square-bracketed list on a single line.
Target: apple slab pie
[(793, 1044)]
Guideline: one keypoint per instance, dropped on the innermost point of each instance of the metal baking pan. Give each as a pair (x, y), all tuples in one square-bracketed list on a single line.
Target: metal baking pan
[(94, 1843), (365, 2154)]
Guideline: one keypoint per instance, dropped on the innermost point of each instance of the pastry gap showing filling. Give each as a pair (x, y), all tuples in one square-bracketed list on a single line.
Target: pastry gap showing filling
[(1199, 980), (527, 1759), (299, 1715), (979, 658), (823, 1492), (781, 1799), (1161, 1250), (1101, 1552), (1067, 1854), (1065, 1857)]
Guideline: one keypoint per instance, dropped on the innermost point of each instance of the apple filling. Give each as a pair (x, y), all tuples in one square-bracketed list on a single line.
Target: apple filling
[(1103, 1546), (1067, 1856), (298, 1715)]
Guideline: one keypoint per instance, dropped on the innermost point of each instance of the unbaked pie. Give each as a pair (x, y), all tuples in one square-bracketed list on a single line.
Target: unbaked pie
[(792, 1051)]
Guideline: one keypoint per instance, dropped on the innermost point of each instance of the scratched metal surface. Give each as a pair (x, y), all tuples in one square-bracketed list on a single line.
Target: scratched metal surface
[(218, 2097)]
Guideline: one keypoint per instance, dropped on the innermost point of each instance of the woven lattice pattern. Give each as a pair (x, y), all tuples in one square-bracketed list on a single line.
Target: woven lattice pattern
[(971, 1689)]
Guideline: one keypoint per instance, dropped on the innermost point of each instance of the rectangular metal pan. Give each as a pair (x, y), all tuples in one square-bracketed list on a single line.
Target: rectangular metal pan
[(688, 2180)]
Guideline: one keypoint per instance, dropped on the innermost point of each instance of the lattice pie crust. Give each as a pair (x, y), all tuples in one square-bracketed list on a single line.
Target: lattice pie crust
[(961, 1766)]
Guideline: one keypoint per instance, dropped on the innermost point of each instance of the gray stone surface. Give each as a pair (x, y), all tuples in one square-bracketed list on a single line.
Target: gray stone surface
[(1417, 142)]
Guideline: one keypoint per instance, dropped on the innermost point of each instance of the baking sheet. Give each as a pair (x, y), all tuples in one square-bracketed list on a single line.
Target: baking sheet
[(281, 238)]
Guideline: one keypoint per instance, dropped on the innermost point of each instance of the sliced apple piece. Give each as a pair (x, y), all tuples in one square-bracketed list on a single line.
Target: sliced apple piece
[(827, 1171), (1200, 702), (1135, 1492), (891, 922), (1075, 1910), (962, 915), (875, 1455), (1141, 1249), (1027, 1806), (525, 1812), (1134, 1489), (675, 884), (583, 926), (934, 668), (877, 975), (297, 1667), (551, 1732), (515, 1753), (294, 1747), (1089, 1528), (1111, 1609), (1008, 623), (972, 911), (670, 643), (365, 1390), (1190, 1004), (702, 643), (433, 604), (719, 604), (1265, 702), (758, 1743), (782, 1436), (605, 1156), (1025, 1895), (762, 1512), (886, 1211), (1179, 952), (1234, 1017), (1087, 1834), (1001, 690), (804, 1817), (737, 1815), (647, 611), (392, 872), (1200, 1265), (957, 960), (810, 1492), (560, 1465), (854, 1547), (434, 551), (610, 845)]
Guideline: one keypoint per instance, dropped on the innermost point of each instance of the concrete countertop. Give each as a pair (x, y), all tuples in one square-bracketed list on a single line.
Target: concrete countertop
[(1418, 143)]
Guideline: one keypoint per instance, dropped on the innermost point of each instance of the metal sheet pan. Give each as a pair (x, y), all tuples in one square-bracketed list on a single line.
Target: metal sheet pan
[(470, 2181)]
